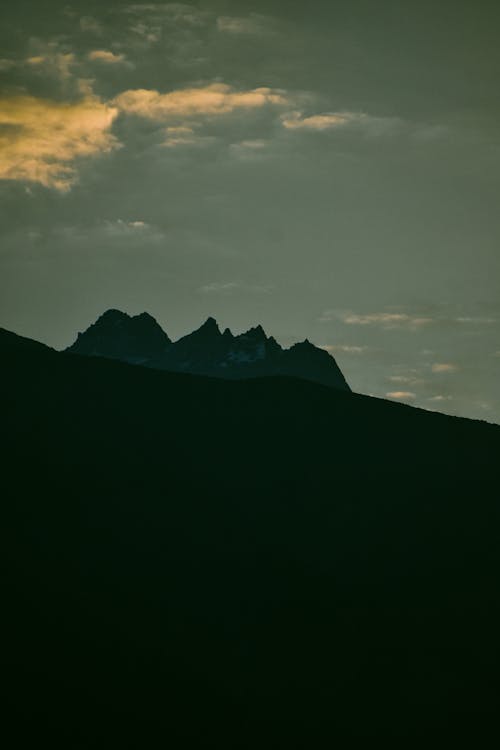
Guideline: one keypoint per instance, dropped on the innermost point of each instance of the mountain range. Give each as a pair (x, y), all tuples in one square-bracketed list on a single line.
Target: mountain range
[(196, 562), (207, 351)]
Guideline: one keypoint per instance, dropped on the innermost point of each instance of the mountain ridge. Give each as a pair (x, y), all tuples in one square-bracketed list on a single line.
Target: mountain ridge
[(206, 350)]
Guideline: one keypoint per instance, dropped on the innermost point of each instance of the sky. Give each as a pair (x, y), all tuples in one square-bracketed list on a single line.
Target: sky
[(329, 170)]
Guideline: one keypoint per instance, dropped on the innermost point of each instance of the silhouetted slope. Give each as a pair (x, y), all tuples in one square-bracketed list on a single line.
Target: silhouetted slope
[(12, 345), (205, 351), (269, 563)]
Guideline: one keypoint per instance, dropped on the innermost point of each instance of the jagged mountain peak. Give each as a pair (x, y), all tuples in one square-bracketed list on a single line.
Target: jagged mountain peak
[(206, 351), (111, 316), (117, 335), (210, 325), (144, 316), (305, 347), (208, 330), (256, 333)]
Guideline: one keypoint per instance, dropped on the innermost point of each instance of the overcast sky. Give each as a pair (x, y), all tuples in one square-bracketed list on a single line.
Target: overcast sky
[(327, 169)]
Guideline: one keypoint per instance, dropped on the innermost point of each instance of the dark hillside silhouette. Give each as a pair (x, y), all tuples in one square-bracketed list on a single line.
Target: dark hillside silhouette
[(262, 563)]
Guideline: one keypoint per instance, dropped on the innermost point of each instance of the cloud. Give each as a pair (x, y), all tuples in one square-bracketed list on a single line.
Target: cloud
[(90, 25), (407, 379), (148, 32), (212, 100), (6, 64), (479, 320), (119, 227), (440, 397), (184, 135), (105, 56), (229, 287), (393, 318), (249, 150), (384, 319), (296, 121), (155, 21), (256, 144), (253, 24), (344, 348), (115, 236), (41, 139), (168, 11), (370, 125), (137, 224), (198, 141), (443, 367), (50, 58), (58, 63), (401, 395)]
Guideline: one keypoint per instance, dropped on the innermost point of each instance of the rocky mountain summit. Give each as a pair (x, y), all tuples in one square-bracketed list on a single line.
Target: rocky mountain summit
[(140, 340), (116, 335)]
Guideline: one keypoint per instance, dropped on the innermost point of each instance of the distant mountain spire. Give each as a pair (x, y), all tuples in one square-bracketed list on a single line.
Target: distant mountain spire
[(210, 325)]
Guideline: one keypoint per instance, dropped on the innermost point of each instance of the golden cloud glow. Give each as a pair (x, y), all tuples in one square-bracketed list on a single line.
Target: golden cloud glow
[(53, 62), (37, 60), (215, 99), (401, 395), (105, 56), (387, 320), (295, 120), (40, 139), (443, 367), (370, 126)]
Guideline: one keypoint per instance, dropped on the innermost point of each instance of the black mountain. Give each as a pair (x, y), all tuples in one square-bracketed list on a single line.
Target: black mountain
[(115, 334), (206, 351), (268, 563)]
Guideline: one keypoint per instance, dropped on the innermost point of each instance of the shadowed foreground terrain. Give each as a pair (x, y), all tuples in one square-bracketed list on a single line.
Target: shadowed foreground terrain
[(202, 563)]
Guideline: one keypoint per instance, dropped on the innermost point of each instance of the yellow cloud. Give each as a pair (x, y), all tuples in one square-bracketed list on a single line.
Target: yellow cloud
[(215, 99), (367, 124), (106, 56), (56, 63), (41, 139), (387, 320), (37, 60), (295, 120), (443, 367), (401, 395)]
